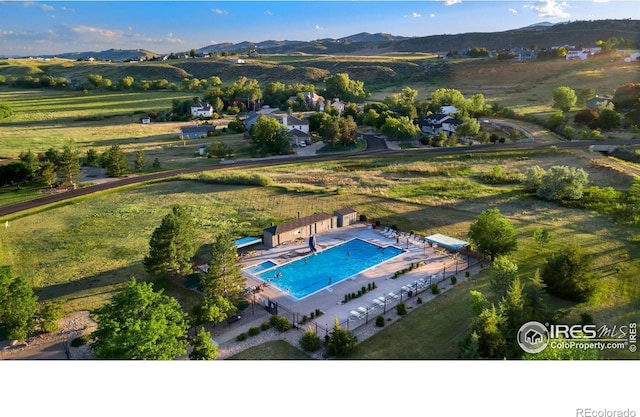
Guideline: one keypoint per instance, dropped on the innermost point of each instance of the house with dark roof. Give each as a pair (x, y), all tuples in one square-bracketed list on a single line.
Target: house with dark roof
[(599, 101), (196, 132), (298, 136), (436, 123)]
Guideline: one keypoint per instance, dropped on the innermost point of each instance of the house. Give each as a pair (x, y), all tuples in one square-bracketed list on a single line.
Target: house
[(346, 216), (201, 109), (337, 104), (580, 54), (302, 227), (196, 132), (448, 110), (298, 137), (145, 120), (436, 123), (599, 101), (311, 100), (292, 122)]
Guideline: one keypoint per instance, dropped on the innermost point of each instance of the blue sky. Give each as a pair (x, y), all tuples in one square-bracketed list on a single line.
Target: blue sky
[(52, 27)]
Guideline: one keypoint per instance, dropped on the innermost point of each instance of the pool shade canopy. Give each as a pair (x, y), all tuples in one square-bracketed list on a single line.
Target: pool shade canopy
[(446, 241), (247, 241)]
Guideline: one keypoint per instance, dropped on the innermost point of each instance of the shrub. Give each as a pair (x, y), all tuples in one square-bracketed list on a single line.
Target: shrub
[(241, 337), (380, 321), (401, 309), (454, 280), (310, 341), (280, 323), (318, 312), (435, 289), (586, 318), (363, 217), (81, 340), (467, 274), (254, 331), (265, 326), (419, 300)]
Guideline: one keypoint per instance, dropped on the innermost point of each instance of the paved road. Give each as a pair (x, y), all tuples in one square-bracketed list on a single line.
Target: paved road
[(375, 146)]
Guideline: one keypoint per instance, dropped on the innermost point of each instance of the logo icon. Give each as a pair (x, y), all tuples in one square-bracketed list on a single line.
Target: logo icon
[(533, 337)]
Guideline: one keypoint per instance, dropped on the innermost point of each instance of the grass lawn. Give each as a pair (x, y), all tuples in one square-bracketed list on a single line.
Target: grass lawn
[(273, 350)]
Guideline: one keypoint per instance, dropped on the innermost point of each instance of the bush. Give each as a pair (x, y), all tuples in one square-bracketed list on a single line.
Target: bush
[(419, 300), (241, 337), (401, 309), (435, 289), (586, 318), (363, 217), (254, 331), (454, 280), (310, 341), (265, 326), (380, 321), (467, 274), (81, 340), (280, 323)]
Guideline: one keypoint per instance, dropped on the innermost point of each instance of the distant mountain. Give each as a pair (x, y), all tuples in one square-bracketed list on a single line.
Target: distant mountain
[(108, 55), (368, 37)]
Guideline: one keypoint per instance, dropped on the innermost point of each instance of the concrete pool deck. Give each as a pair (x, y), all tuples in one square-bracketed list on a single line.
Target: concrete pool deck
[(329, 300)]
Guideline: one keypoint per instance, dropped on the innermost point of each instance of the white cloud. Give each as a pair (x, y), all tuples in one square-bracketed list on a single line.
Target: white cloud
[(171, 39), (47, 8), (514, 11), (105, 33), (451, 2), (432, 15), (550, 9), (318, 27), (414, 15), (269, 13), (219, 11)]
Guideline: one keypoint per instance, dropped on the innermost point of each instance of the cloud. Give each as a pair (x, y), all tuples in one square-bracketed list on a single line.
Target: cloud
[(451, 2), (46, 8), (171, 39), (432, 15), (414, 15), (318, 27), (99, 32), (269, 13), (219, 11), (550, 9), (514, 11)]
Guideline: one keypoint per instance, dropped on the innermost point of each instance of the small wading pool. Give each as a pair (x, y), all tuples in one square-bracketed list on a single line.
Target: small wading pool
[(314, 272), (256, 269)]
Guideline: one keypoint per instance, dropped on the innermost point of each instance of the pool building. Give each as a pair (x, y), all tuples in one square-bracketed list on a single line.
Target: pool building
[(303, 227)]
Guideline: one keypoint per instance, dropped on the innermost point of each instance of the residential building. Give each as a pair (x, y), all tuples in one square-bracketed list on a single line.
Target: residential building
[(201, 109), (436, 123)]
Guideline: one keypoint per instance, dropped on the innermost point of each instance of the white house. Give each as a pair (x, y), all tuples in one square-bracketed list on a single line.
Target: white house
[(436, 123), (337, 104), (201, 109), (577, 54)]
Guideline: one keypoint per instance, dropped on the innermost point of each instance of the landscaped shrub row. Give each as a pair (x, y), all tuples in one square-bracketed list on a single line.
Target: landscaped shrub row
[(407, 269), (254, 331), (435, 289), (281, 323), (314, 314), (362, 291)]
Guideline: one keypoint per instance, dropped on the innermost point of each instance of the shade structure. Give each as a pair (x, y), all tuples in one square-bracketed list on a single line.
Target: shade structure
[(446, 241), (247, 241)]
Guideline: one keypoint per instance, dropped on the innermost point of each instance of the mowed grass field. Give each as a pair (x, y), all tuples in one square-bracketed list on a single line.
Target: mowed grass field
[(84, 251)]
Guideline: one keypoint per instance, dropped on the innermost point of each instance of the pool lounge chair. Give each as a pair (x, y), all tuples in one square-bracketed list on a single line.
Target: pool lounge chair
[(362, 310), (392, 295), (406, 288), (356, 315), (377, 302)]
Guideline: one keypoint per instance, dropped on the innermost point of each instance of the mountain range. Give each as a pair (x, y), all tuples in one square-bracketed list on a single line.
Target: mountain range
[(540, 35)]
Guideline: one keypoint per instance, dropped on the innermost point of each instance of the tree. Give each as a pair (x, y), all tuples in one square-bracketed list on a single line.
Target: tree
[(214, 308), (236, 125), (95, 79), (330, 129), (14, 173), (203, 348), (340, 86), (223, 276), (49, 314), (564, 98), (626, 96), (139, 323), (513, 308), (348, 129), (18, 305), (469, 128), (48, 173), (172, 244), (219, 150), (478, 302), (68, 165), (371, 117), (491, 340), (141, 160), (270, 136), (31, 162), (536, 296), (341, 342), (93, 159), (586, 116), (115, 161), (607, 119), (401, 128), (562, 183), (156, 163), (503, 273), (569, 273), (556, 350), (5, 111), (493, 234), (310, 341), (126, 82), (447, 97), (533, 178)]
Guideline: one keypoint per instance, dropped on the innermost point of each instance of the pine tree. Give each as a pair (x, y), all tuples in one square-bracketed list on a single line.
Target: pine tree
[(18, 305), (223, 276), (68, 165), (203, 348), (341, 342), (172, 244)]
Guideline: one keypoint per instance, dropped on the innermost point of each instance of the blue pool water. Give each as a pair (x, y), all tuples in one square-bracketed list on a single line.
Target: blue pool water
[(314, 272), (255, 269)]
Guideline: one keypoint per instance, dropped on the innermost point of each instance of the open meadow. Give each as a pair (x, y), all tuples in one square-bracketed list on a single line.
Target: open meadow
[(85, 250)]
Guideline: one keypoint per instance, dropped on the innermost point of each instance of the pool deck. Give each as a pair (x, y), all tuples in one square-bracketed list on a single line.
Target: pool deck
[(329, 299)]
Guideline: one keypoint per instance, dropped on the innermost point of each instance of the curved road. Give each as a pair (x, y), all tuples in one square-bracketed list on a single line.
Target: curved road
[(375, 146)]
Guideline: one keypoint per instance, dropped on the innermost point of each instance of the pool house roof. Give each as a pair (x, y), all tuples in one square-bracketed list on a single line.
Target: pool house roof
[(446, 241)]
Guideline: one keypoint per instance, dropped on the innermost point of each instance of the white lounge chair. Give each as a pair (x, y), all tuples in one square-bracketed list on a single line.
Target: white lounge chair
[(392, 295), (356, 314), (406, 288), (362, 310), (377, 302)]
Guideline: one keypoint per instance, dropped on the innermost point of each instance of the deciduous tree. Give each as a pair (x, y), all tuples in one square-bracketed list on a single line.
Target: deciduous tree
[(564, 98), (568, 273), (68, 165), (18, 305), (493, 234), (203, 348), (139, 323)]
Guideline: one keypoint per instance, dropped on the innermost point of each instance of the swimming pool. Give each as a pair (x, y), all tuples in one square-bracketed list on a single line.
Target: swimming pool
[(255, 269), (312, 273)]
